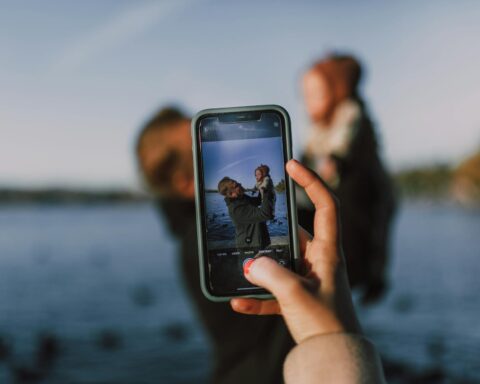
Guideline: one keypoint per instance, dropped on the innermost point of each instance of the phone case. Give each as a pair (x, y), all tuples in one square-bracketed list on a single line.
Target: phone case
[(290, 185)]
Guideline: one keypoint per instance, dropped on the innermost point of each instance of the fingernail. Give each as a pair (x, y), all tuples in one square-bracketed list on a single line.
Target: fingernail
[(293, 161), (246, 265)]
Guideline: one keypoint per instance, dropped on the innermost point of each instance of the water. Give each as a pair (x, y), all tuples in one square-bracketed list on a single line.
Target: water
[(220, 226), (82, 271), (104, 281), (431, 315)]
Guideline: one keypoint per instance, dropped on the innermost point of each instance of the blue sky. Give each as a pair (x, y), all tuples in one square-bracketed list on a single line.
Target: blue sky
[(238, 159), (78, 78)]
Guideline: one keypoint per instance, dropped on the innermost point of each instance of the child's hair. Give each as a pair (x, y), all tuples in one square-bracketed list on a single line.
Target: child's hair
[(264, 169), (153, 137), (343, 73)]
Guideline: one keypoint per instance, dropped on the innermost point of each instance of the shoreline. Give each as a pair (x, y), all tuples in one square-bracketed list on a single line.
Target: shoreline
[(224, 244)]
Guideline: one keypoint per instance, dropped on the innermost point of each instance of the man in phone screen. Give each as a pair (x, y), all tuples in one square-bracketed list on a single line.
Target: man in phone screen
[(248, 214)]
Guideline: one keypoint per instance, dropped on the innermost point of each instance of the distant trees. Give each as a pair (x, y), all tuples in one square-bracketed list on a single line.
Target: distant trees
[(443, 181), (280, 187), (466, 181), (430, 181)]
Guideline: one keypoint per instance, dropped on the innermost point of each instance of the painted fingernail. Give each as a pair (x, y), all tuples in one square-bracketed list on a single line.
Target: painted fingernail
[(246, 265)]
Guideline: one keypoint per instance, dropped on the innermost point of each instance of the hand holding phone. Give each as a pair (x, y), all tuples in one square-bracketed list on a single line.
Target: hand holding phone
[(236, 150), (320, 302)]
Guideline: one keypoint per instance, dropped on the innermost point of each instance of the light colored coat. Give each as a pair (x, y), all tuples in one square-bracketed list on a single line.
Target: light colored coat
[(337, 358), (266, 183)]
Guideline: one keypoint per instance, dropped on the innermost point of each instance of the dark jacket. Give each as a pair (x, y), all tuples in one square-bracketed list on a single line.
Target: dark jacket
[(246, 349), (250, 219)]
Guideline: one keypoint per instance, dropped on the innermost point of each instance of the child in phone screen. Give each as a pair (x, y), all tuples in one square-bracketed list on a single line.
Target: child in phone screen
[(264, 183)]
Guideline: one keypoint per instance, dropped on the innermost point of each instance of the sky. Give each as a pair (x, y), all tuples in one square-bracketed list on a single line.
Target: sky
[(78, 78), (238, 160)]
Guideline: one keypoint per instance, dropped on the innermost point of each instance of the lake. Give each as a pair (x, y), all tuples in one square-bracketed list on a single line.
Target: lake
[(220, 226), (96, 287)]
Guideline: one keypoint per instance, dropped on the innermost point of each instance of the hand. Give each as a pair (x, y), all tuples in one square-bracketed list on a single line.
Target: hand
[(320, 302)]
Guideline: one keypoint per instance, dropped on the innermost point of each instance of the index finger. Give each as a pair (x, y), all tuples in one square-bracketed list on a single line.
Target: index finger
[(325, 221)]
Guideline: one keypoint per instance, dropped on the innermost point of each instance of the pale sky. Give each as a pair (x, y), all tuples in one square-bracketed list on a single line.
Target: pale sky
[(77, 78), (238, 160)]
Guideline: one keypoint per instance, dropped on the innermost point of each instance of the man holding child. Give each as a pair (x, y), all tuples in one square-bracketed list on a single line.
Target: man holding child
[(249, 214)]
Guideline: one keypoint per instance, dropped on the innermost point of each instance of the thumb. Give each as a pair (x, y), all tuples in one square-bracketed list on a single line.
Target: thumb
[(281, 282), (304, 314)]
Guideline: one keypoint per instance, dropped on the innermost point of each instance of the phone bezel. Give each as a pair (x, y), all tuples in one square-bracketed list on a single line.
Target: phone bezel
[(199, 195)]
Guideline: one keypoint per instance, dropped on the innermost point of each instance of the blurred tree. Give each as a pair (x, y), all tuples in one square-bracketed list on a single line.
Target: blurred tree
[(280, 187), (431, 181), (466, 180)]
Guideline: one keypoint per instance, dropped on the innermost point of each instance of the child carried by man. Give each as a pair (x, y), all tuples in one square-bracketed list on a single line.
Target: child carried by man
[(264, 183)]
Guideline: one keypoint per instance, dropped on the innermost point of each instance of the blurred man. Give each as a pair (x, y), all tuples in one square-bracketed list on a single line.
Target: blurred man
[(245, 349)]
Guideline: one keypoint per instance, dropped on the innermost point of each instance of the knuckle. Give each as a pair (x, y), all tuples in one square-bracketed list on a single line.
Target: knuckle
[(294, 287), (261, 261), (329, 256)]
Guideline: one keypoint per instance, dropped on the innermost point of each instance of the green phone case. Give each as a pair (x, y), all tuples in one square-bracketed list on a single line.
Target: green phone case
[(200, 226)]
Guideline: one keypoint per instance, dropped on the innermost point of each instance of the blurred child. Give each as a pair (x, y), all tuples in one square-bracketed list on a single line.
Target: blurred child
[(342, 148)]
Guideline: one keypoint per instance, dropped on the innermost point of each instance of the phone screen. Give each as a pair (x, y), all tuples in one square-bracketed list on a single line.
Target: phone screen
[(245, 200)]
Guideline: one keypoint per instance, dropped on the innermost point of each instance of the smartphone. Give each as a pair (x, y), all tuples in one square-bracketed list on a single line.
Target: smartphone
[(245, 200)]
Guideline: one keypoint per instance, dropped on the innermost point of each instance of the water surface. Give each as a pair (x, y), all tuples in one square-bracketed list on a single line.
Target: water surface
[(103, 280)]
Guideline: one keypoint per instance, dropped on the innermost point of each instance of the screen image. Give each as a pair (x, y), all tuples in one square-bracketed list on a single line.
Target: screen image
[(245, 200)]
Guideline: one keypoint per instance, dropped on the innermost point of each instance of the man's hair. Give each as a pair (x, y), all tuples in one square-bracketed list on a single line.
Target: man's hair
[(159, 175), (163, 119), (224, 185)]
